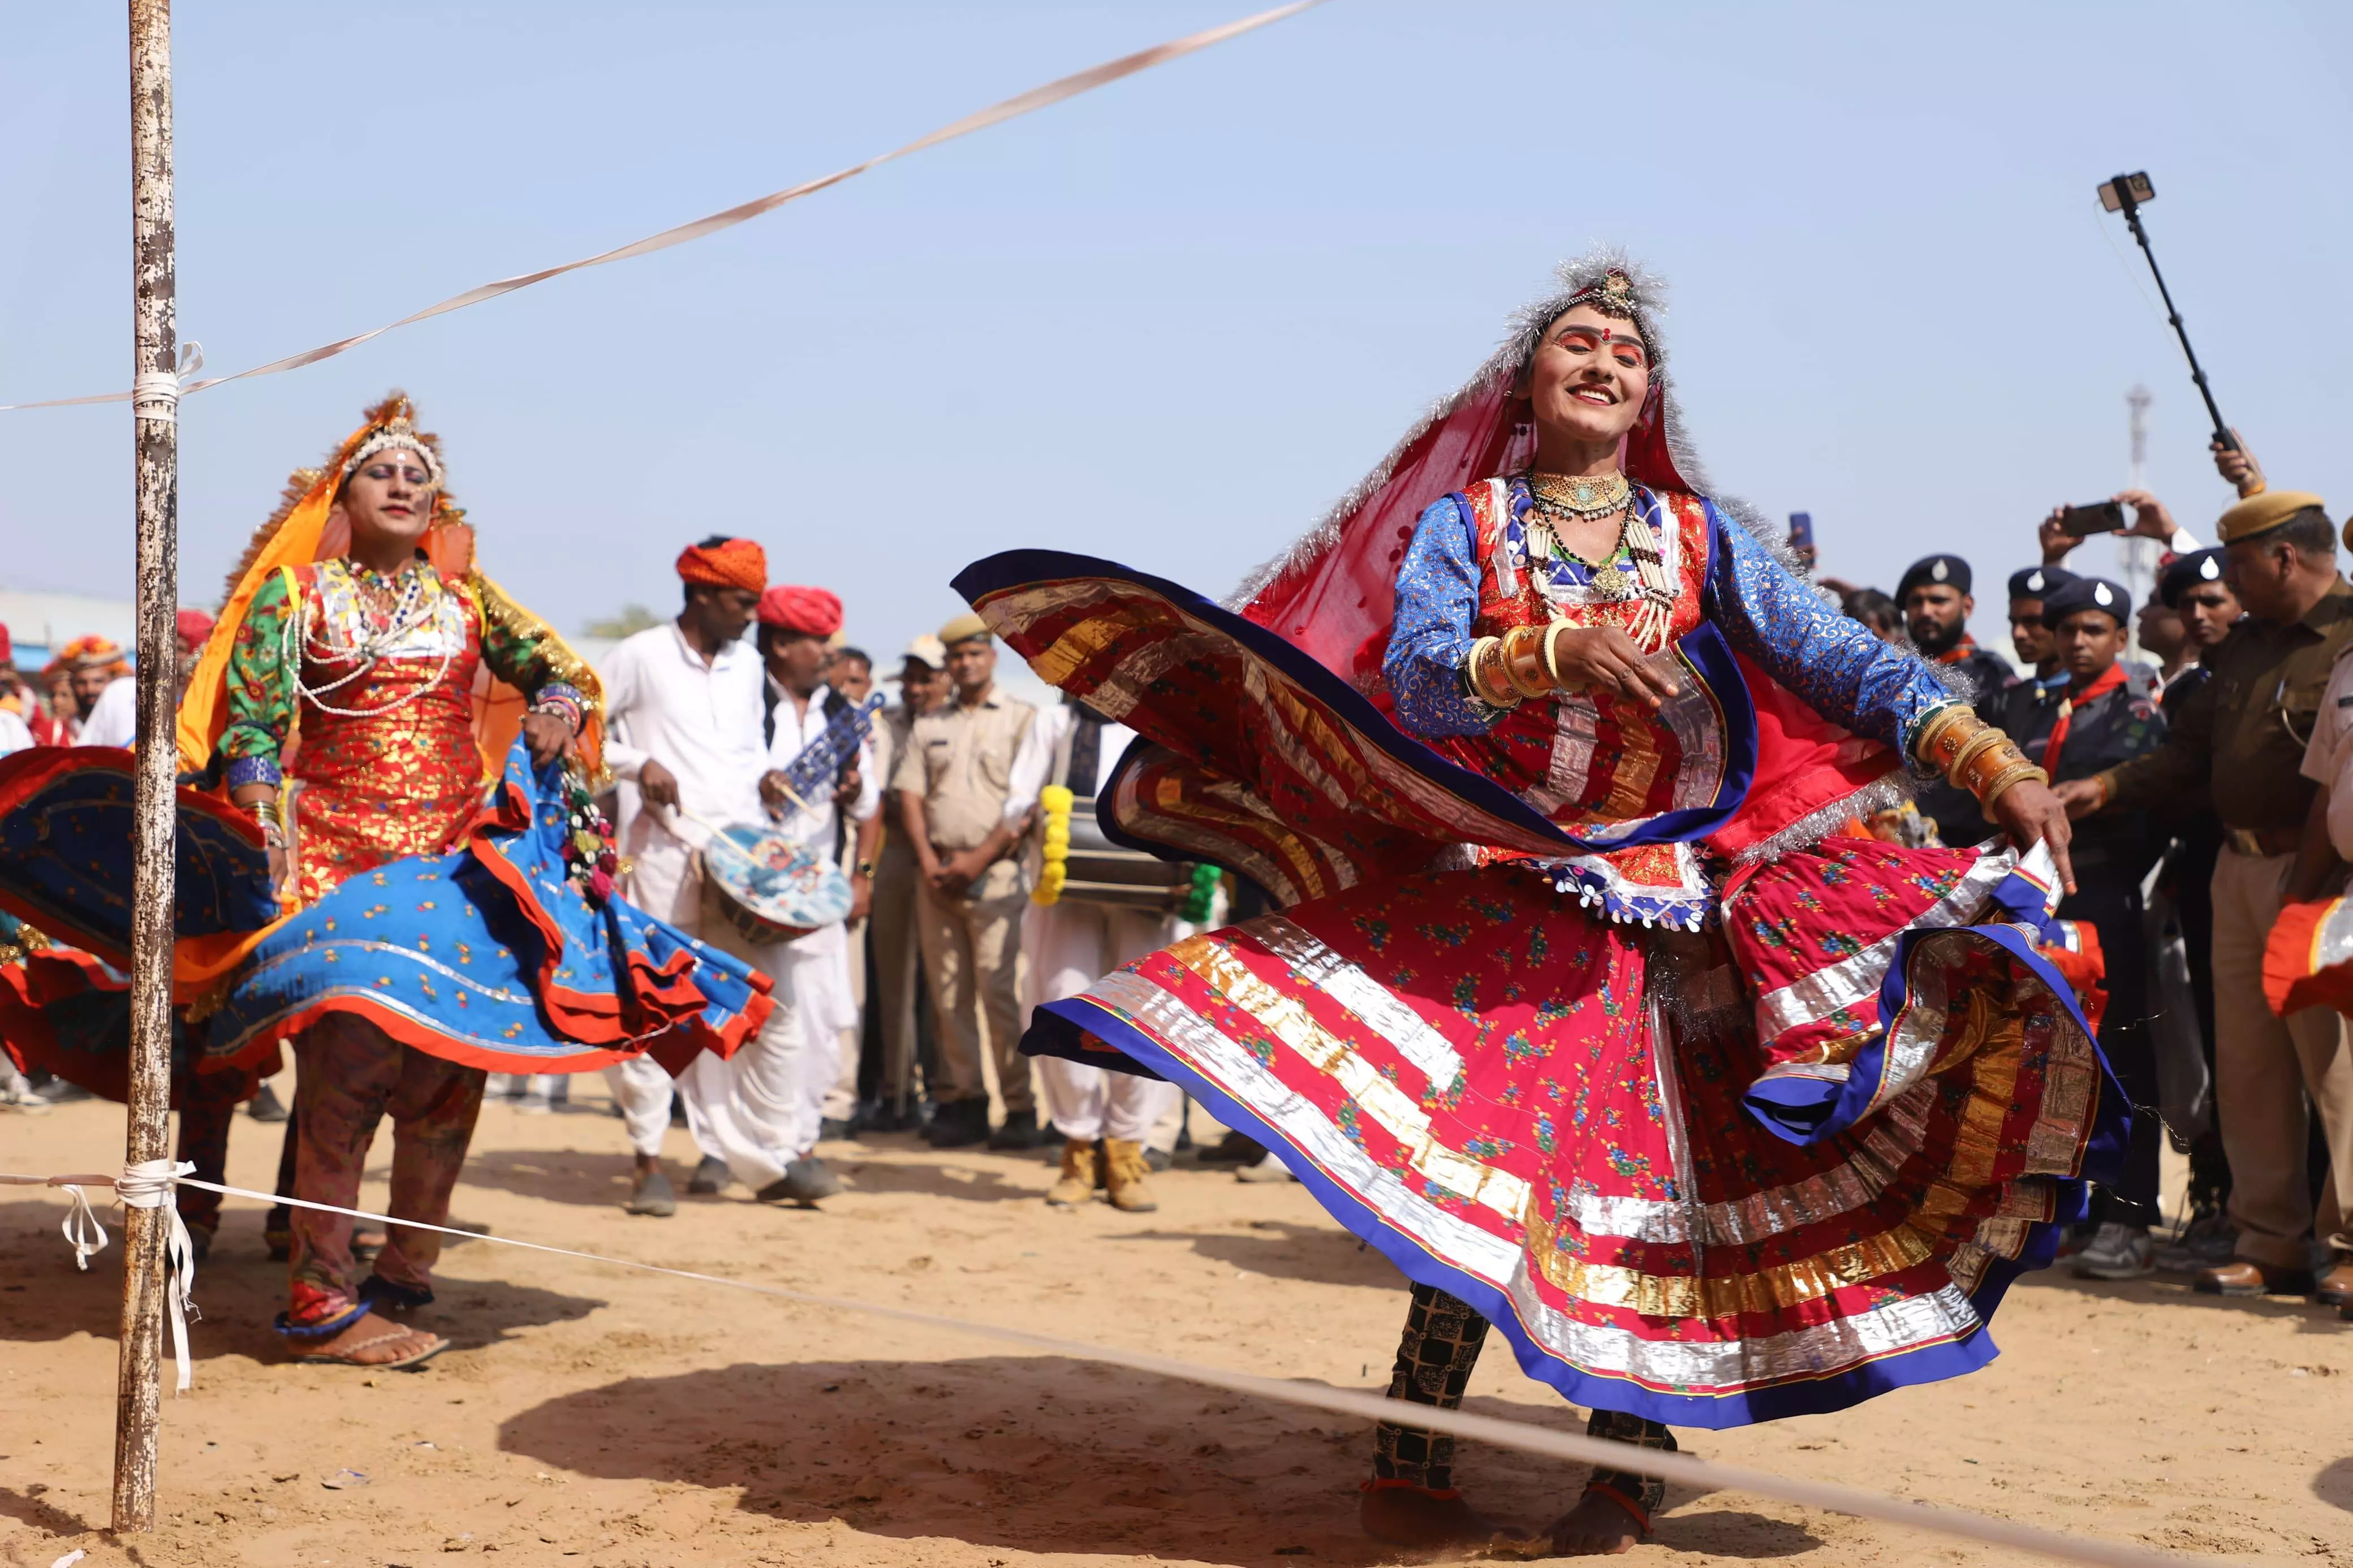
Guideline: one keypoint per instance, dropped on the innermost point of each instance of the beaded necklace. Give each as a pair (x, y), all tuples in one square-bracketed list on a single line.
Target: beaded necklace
[(412, 609), (1649, 627)]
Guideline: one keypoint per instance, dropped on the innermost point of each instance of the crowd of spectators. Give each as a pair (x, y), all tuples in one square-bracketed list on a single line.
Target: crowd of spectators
[(2206, 781)]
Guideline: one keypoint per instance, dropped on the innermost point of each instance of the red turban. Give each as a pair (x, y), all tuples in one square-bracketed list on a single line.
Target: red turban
[(93, 653), (7, 649), (812, 612), (194, 627), (730, 564)]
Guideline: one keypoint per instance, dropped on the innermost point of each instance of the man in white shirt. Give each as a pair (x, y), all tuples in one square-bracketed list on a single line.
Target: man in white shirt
[(1071, 943), (113, 718), (684, 705), (97, 668), (814, 983)]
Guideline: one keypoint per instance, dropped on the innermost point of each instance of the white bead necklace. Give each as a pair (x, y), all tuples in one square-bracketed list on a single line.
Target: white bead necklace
[(298, 641)]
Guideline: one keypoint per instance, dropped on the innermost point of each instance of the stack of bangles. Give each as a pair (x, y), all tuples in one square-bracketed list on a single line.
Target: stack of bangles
[(273, 831), (566, 702), (1974, 755), (1505, 671)]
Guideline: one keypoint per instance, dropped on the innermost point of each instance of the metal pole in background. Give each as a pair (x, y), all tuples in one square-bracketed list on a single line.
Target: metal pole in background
[(155, 412)]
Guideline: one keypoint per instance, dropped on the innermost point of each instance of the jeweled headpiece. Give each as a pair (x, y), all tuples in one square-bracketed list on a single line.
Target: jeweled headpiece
[(398, 431)]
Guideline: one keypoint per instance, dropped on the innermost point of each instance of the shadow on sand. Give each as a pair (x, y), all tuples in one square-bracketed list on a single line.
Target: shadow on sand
[(1047, 1454)]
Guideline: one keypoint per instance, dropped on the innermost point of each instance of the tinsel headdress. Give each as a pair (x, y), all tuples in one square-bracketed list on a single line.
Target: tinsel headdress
[(304, 528)]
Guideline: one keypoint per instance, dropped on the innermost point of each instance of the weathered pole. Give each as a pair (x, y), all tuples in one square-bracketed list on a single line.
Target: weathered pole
[(155, 417)]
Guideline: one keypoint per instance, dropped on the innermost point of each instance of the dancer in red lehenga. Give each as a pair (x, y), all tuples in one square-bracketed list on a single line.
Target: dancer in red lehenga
[(1585, 1004)]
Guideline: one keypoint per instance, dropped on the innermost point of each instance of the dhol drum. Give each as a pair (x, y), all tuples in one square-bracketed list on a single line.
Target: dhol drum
[(770, 888), (1101, 872)]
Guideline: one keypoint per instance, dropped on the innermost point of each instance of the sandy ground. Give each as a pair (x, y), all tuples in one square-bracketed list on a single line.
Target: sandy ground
[(590, 1416)]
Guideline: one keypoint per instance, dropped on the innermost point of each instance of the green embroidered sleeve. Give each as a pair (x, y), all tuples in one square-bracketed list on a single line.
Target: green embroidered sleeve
[(524, 651), (260, 687)]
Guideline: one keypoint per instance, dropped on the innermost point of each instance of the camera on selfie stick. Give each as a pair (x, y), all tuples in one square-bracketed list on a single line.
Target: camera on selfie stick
[(2125, 193)]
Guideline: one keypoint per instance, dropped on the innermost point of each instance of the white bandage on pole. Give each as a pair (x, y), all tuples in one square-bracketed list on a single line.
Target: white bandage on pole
[(155, 393), (148, 1186)]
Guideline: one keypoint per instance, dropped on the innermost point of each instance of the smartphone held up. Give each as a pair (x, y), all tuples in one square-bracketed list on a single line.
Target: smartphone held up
[(2100, 517)]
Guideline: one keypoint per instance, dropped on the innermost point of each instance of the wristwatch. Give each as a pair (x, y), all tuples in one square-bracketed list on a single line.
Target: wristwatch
[(863, 869)]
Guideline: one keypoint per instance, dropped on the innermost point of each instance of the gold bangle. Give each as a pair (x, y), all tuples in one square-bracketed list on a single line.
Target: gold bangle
[(1551, 656), (1477, 668), (1522, 664), (1987, 739), (1991, 764), (2022, 773), (1947, 730)]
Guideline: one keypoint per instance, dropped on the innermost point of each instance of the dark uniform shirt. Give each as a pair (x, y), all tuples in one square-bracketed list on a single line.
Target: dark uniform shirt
[(2028, 711), (1987, 678), (2242, 733), (2108, 732)]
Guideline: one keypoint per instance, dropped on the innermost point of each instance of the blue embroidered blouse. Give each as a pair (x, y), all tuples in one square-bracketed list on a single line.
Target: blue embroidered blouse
[(1835, 665)]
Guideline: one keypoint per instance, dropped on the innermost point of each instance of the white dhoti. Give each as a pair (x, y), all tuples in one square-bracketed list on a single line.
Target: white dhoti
[(757, 1112), (1070, 946)]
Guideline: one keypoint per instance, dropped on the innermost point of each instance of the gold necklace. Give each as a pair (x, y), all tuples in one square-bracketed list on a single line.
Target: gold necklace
[(1582, 496)]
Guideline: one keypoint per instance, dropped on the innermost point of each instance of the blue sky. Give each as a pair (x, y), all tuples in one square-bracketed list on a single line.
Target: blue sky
[(1169, 322)]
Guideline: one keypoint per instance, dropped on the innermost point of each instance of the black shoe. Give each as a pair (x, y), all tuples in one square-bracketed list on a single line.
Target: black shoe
[(804, 1182), (959, 1124), (711, 1176), (1020, 1131), (888, 1117), (1234, 1148), (266, 1106), (1157, 1159), (381, 1295), (834, 1127), (57, 1092)]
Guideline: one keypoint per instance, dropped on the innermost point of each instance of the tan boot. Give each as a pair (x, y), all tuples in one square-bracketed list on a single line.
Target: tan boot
[(1130, 1192), (1077, 1186)]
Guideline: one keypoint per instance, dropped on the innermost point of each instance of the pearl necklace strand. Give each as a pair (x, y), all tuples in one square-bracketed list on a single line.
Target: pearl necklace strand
[(411, 610)]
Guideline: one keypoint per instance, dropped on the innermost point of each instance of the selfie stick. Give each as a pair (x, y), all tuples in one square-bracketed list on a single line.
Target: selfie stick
[(2126, 193)]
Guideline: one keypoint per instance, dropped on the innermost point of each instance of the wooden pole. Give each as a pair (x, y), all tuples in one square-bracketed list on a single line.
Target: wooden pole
[(155, 407)]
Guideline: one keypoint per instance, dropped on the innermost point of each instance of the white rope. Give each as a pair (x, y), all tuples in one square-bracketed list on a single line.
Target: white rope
[(1708, 1474), (155, 393), (1037, 98), (148, 1186)]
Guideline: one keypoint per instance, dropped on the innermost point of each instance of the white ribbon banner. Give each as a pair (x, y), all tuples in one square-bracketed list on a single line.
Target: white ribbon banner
[(1038, 97)]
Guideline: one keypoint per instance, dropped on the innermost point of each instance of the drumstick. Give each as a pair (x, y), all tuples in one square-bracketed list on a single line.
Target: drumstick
[(717, 834)]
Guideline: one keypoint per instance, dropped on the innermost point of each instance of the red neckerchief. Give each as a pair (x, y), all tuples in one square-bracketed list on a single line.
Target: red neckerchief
[(1960, 650), (2108, 682)]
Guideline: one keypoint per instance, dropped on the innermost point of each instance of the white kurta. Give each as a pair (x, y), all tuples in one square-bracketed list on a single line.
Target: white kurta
[(1070, 946), (114, 718), (817, 965), (703, 723)]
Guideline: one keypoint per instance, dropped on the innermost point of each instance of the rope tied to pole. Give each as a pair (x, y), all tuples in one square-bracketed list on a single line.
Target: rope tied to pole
[(145, 1186), (148, 1186), (155, 393)]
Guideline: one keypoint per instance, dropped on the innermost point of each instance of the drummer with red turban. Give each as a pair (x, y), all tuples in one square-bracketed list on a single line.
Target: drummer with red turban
[(797, 629), (686, 702)]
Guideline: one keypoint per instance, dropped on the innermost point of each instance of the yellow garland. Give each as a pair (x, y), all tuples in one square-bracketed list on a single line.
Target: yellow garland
[(1055, 846)]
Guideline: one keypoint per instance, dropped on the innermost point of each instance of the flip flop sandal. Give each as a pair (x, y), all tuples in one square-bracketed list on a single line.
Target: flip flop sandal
[(435, 1344)]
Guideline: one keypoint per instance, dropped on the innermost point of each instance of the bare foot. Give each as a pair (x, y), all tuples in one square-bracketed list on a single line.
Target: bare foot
[(1404, 1516), (1597, 1527), (375, 1341)]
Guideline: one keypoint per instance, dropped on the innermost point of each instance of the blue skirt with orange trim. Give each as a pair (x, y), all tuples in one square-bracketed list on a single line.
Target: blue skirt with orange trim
[(488, 955)]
